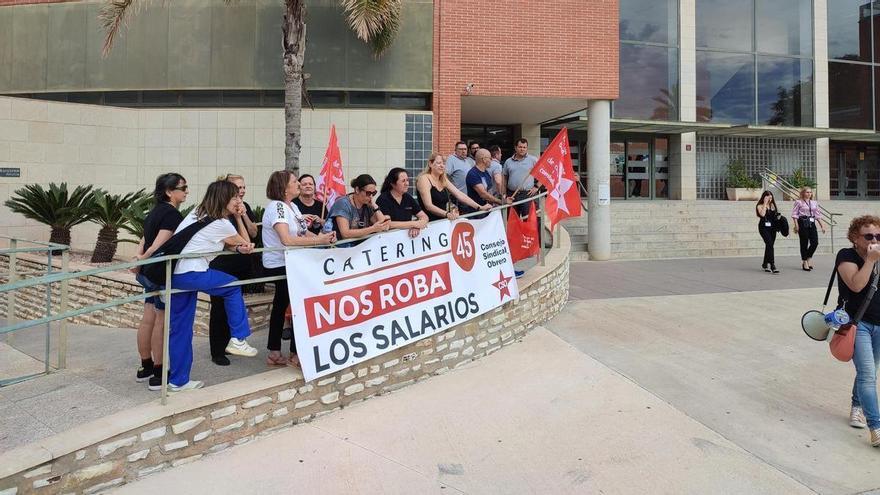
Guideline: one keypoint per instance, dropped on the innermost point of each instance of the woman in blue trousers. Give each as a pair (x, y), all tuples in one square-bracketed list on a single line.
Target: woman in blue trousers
[(856, 273), (194, 275)]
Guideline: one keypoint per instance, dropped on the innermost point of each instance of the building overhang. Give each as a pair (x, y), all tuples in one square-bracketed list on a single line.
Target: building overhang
[(507, 110), (709, 129)]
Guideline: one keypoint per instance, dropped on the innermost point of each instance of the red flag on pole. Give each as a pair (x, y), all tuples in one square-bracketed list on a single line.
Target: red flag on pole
[(554, 170), (330, 183), (522, 236)]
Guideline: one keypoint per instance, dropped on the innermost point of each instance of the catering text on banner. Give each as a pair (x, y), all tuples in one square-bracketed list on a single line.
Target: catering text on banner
[(352, 304)]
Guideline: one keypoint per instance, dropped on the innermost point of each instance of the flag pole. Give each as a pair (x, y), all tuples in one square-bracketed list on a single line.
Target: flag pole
[(323, 195)]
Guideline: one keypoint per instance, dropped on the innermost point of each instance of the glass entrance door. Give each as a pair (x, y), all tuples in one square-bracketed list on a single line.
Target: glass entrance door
[(855, 171), (638, 169)]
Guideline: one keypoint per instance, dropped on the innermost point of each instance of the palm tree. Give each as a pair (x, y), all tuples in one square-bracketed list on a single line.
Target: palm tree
[(108, 211), (375, 22), (54, 207)]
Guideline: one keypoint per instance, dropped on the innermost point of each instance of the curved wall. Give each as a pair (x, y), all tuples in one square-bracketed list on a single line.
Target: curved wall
[(202, 44), (135, 443)]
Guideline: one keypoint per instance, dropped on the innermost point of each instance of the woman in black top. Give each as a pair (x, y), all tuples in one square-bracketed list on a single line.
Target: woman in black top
[(767, 213), (396, 202), (855, 273), (239, 266), (308, 204), (436, 191), (159, 225)]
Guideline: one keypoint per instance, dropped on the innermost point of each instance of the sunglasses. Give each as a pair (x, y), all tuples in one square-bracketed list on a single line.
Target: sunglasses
[(182, 188), (370, 193), (871, 237)]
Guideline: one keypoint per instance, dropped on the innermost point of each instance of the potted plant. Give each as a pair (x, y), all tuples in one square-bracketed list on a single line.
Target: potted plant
[(740, 185), (799, 180)]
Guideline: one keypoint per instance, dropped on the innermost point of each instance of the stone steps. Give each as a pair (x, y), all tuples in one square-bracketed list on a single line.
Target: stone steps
[(678, 229)]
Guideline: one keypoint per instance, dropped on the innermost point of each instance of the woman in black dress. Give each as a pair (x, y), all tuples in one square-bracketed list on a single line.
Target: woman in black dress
[(436, 191), (767, 213)]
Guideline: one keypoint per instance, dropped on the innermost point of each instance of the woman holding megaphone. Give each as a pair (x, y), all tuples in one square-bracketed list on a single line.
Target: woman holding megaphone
[(856, 274)]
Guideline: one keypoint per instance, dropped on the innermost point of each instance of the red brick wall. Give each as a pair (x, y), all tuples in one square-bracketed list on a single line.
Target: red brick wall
[(554, 48)]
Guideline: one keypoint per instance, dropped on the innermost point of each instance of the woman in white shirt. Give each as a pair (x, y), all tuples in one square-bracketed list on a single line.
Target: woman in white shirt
[(284, 225), (194, 276)]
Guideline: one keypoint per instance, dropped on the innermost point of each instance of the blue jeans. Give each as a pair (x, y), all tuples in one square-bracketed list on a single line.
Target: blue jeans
[(866, 358), (183, 313)]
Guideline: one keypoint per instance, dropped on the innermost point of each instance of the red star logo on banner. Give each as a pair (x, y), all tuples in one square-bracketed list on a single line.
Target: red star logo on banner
[(503, 285)]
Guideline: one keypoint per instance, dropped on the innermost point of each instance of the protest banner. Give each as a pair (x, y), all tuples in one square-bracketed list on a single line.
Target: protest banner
[(355, 303)]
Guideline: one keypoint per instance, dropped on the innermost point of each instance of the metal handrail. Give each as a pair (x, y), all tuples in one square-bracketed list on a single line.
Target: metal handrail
[(782, 184), (65, 276)]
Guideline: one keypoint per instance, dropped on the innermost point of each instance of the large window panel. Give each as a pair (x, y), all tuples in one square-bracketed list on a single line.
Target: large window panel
[(785, 27), (785, 91), (655, 21), (725, 24), (725, 87), (849, 30), (648, 83), (849, 95)]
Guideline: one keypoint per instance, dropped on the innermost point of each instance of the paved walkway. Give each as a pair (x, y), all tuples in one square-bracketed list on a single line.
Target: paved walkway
[(702, 382)]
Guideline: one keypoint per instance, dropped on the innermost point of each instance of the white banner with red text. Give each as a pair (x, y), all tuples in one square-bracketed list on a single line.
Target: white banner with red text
[(355, 303)]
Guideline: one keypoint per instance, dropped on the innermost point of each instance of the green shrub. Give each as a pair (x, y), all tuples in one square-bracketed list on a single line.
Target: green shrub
[(738, 176)]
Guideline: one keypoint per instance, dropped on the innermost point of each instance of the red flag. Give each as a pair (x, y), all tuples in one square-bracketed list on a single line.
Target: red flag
[(330, 183), (554, 170), (522, 236)]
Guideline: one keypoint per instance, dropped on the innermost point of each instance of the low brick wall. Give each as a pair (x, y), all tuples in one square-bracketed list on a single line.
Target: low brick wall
[(96, 289), (137, 442)]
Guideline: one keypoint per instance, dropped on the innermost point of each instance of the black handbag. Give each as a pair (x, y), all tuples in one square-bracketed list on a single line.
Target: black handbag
[(781, 224)]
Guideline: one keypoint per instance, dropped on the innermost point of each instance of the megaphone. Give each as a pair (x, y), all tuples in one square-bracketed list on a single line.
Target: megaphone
[(818, 325)]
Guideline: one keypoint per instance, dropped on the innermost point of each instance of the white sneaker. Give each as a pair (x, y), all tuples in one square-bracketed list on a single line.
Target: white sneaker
[(190, 385), (875, 437), (240, 348), (857, 418)]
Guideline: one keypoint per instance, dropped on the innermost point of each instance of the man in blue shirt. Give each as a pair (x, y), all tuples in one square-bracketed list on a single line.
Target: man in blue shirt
[(479, 180)]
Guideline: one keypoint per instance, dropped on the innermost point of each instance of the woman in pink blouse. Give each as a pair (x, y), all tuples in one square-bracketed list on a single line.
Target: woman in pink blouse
[(806, 216)]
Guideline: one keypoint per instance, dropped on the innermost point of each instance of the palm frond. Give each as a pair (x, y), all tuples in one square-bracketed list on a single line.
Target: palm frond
[(110, 209), (114, 16), (374, 21), (54, 207)]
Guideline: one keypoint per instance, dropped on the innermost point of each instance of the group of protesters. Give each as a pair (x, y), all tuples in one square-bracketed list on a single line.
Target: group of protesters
[(471, 179)]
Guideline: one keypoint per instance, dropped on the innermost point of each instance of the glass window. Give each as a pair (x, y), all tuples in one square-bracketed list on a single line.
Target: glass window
[(785, 27), (200, 98), (160, 98), (849, 95), (725, 24), (725, 87), (371, 98), (648, 83), (785, 91), (849, 32), (649, 20)]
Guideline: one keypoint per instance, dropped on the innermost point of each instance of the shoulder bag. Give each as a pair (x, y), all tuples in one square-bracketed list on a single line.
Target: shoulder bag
[(843, 341)]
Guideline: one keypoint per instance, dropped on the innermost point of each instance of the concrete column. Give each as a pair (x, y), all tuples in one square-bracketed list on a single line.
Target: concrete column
[(682, 148), (599, 171), (532, 132), (820, 98)]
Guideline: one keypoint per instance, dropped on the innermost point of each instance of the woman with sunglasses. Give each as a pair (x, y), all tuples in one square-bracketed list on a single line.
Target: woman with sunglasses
[(855, 273), (806, 216), (767, 213), (354, 215), (159, 225)]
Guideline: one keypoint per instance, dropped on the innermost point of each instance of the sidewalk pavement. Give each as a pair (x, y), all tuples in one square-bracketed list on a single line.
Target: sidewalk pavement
[(715, 390)]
